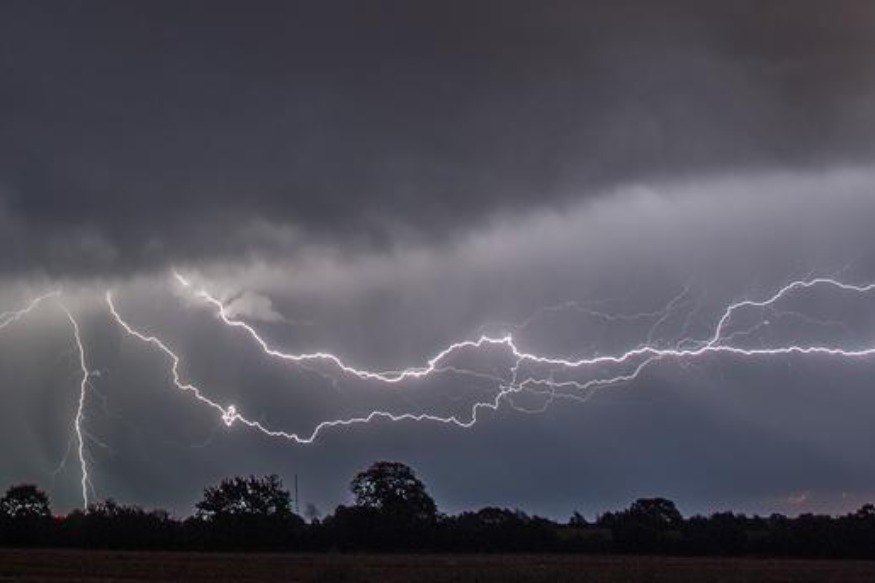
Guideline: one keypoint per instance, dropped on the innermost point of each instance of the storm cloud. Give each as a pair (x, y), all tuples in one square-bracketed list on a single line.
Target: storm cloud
[(383, 179), (137, 137)]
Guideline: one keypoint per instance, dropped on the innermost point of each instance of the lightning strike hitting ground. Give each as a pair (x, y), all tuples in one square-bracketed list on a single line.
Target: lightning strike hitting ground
[(8, 318), (625, 367), (80, 409)]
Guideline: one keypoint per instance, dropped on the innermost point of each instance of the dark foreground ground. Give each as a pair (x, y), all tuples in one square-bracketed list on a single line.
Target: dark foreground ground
[(92, 566)]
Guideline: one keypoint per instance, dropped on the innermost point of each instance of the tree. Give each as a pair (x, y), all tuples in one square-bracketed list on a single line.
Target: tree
[(252, 496), (25, 502), (246, 514), (25, 517), (392, 511), (493, 529), (865, 512), (108, 524), (577, 520), (656, 512), (649, 525), (392, 489)]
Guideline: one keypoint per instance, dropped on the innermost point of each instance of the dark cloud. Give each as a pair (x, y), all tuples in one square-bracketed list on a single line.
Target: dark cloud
[(712, 433), (380, 179), (135, 136)]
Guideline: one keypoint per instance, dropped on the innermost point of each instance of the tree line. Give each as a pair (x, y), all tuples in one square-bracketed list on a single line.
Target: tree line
[(392, 511)]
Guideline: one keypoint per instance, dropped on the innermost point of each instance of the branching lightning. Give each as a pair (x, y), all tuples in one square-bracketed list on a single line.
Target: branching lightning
[(623, 367), (540, 375)]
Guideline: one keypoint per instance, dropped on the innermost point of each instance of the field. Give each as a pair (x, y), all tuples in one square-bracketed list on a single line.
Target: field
[(92, 566)]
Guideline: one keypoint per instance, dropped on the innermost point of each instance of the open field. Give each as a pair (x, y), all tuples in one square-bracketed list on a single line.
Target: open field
[(104, 566)]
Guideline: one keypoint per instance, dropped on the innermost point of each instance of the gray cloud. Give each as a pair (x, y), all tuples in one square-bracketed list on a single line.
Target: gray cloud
[(139, 136), (379, 180), (712, 433)]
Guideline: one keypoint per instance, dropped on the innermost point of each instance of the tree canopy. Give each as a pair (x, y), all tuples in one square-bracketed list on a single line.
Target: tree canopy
[(392, 488), (25, 501), (657, 512), (252, 496), (393, 513)]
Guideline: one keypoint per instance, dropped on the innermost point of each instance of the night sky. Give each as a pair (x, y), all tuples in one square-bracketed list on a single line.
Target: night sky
[(379, 180)]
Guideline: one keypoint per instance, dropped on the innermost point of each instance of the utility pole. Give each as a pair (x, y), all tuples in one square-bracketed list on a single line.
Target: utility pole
[(297, 505)]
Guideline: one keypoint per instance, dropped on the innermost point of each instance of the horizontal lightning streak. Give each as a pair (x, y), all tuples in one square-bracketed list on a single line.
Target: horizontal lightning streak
[(638, 359), (538, 382), (230, 415), (391, 377)]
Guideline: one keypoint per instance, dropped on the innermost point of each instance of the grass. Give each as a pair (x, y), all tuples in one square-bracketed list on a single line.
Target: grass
[(105, 566)]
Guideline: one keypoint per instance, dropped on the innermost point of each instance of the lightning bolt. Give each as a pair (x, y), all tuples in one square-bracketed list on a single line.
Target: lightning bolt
[(8, 318), (542, 375), (230, 415), (391, 377), (85, 481), (634, 361)]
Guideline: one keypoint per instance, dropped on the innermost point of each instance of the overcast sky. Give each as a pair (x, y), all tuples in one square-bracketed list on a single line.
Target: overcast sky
[(382, 179)]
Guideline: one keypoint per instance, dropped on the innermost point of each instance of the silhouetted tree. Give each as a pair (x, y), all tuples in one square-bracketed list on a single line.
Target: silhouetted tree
[(500, 529), (250, 496), (392, 511), (25, 516), (722, 533), (246, 513), (859, 533), (111, 525), (656, 512), (392, 489), (577, 520), (648, 525), (25, 501)]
